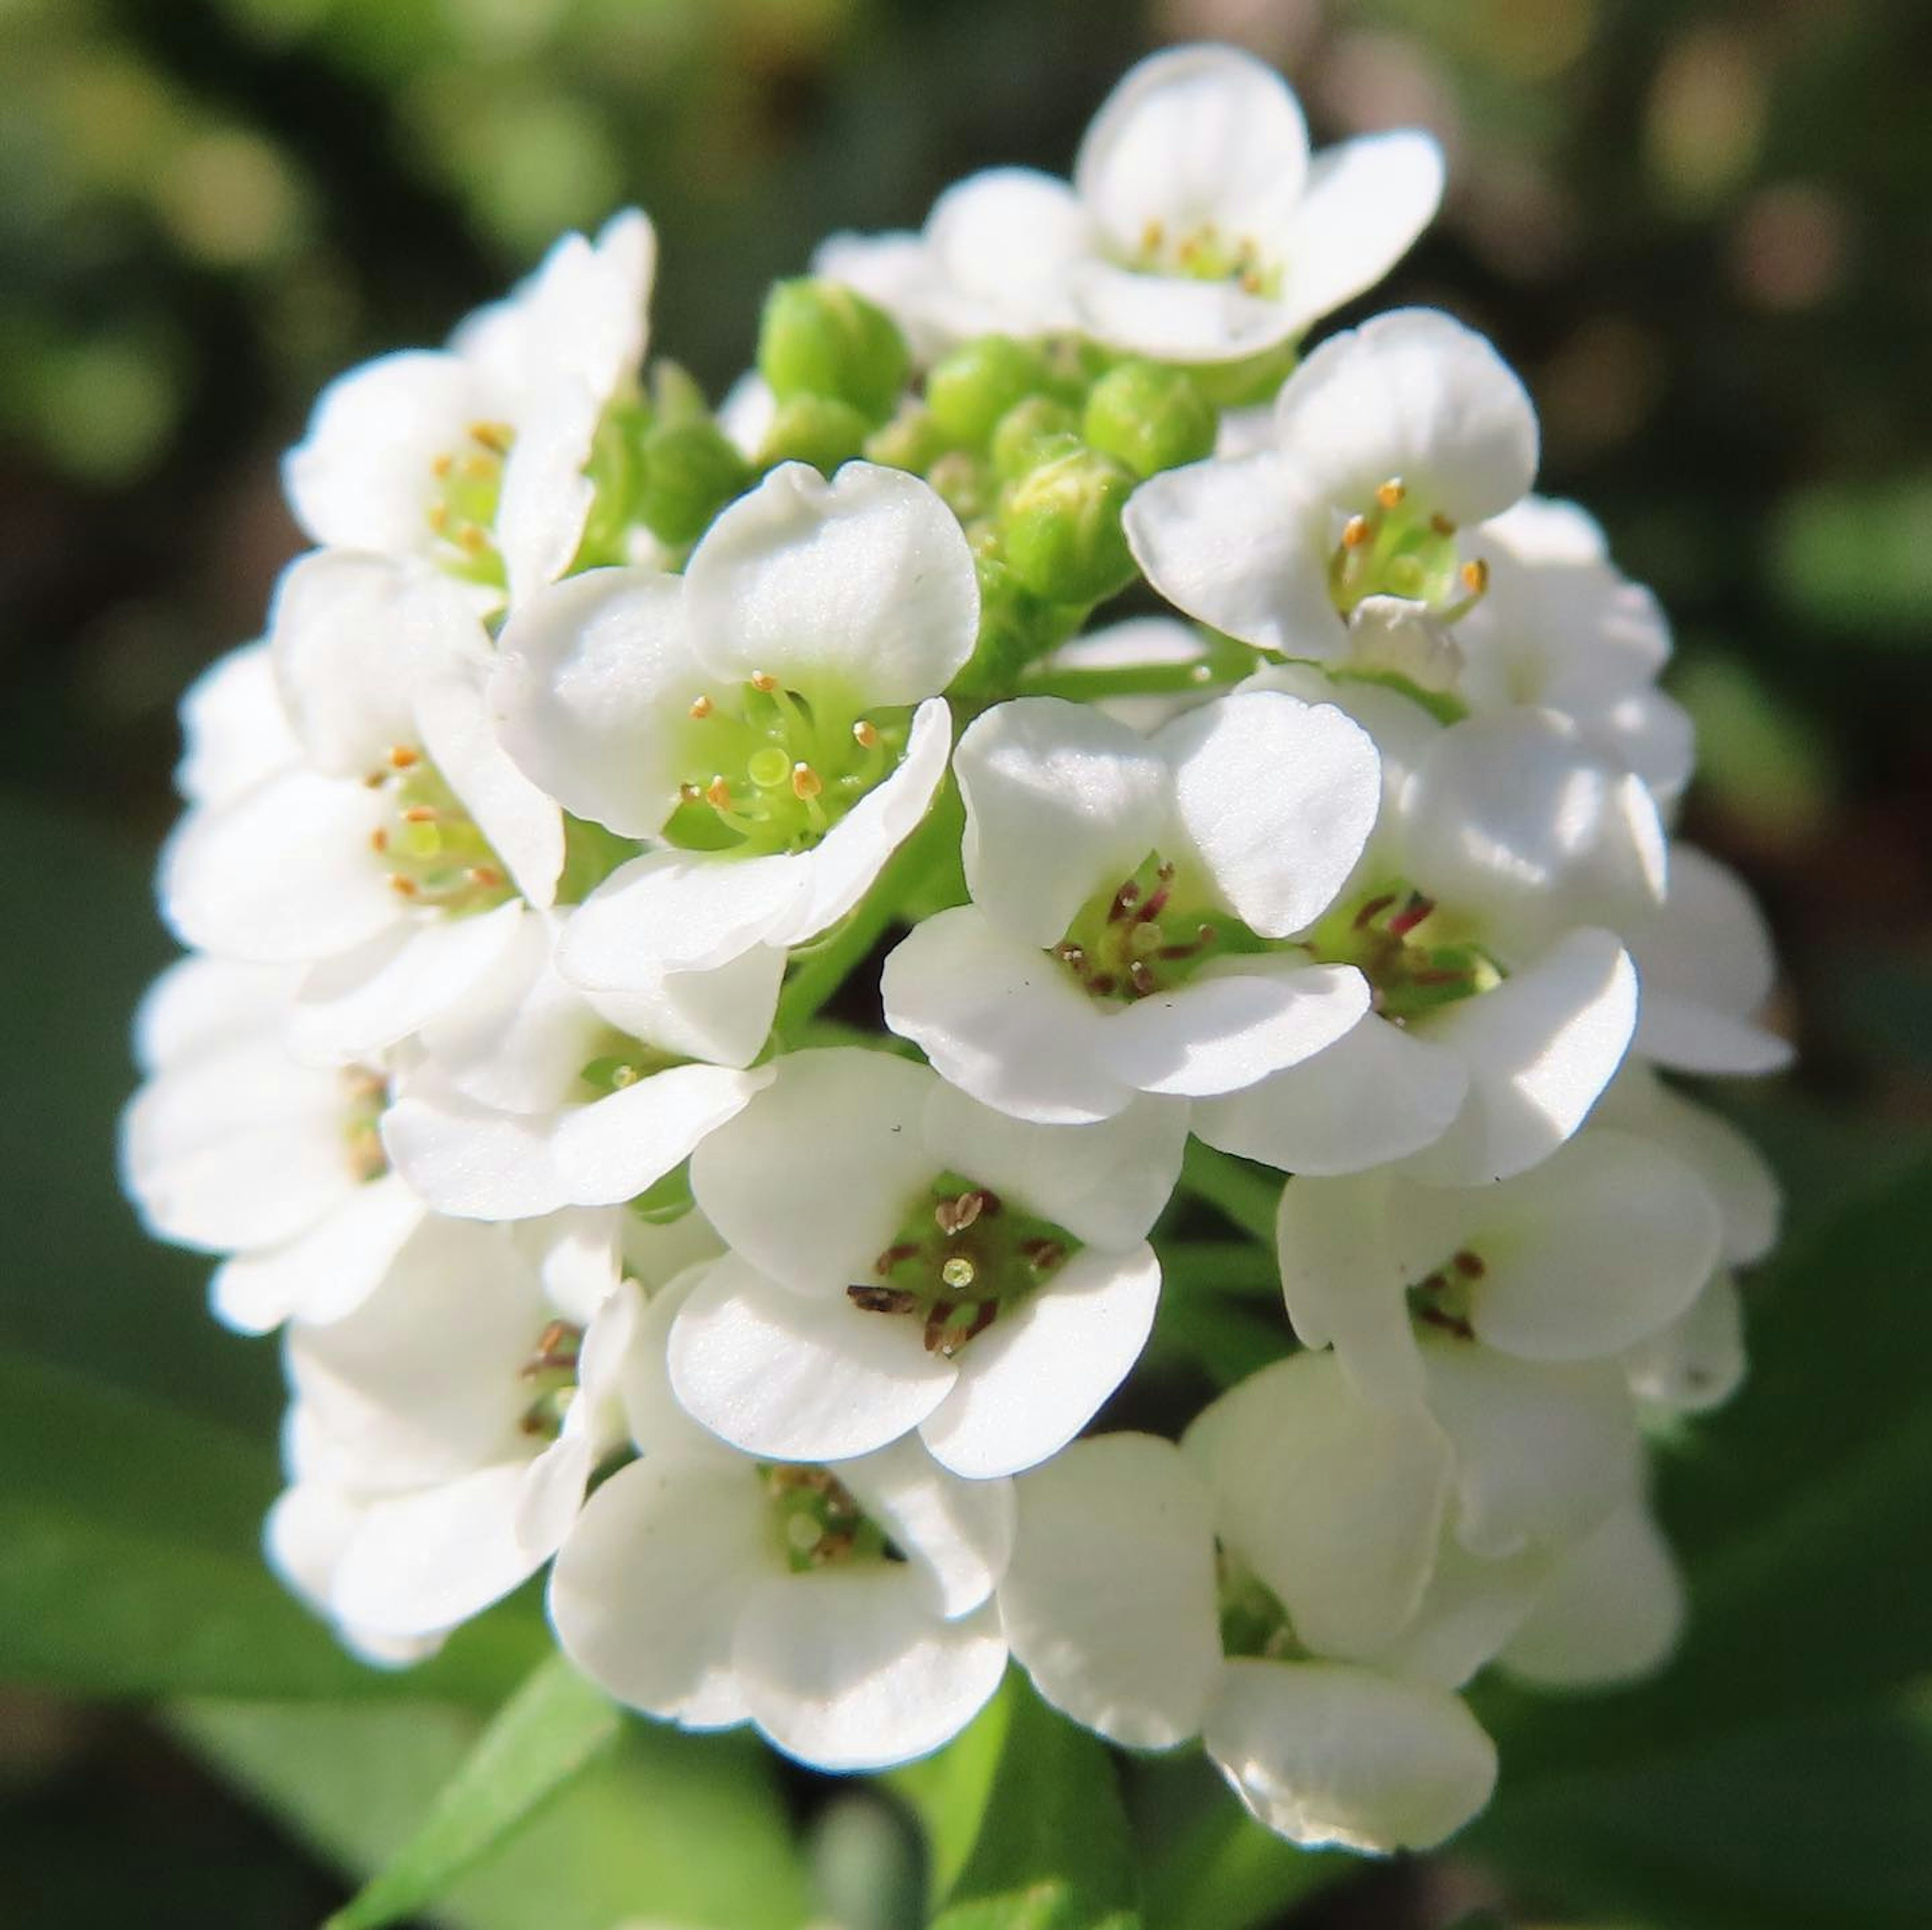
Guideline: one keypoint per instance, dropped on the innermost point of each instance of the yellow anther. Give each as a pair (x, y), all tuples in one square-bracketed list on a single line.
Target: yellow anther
[(402, 757), (420, 814), (764, 681), (1389, 494), (479, 468), (442, 466), (1250, 281), (867, 734), (472, 540), (496, 436), (402, 887), (1152, 235), (805, 782), (379, 840), (1355, 532), (701, 706), (718, 795), (439, 518), (1441, 525), (1475, 576), (488, 875)]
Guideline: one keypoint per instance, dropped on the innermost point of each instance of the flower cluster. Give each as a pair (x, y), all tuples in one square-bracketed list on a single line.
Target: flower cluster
[(609, 766)]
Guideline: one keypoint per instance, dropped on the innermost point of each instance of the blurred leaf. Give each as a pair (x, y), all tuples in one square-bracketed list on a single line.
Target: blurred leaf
[(680, 1832), (131, 1562), (1852, 556), (1225, 1871), (540, 1738), (1764, 759), (1024, 1815)]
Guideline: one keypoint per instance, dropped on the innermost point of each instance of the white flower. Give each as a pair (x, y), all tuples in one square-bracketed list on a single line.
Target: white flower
[(473, 456), (526, 1097), (457, 1414), (235, 729), (235, 1146), (1127, 895), (773, 714), (1485, 913), (1197, 228), (902, 1257), (1111, 1604), (1388, 440), (1557, 1264), (395, 858)]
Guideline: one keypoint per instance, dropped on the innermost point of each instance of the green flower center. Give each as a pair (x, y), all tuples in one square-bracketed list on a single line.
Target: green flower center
[(1415, 957), (817, 1523), (436, 855), (963, 1254), (549, 1374), (1145, 936), (1204, 253), (1440, 1298), (770, 771), (1395, 548), (463, 505)]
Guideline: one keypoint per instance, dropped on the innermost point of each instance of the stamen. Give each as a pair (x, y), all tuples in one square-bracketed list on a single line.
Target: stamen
[(420, 814), (495, 435), (718, 795), (1373, 910), (402, 757), (1391, 493), (1141, 978), (701, 706), (379, 840), (893, 1256), (806, 784), (1474, 575), (881, 1300), (1469, 1264), (472, 540), (402, 887), (1410, 915), (762, 680), (867, 734), (1454, 1323), (1355, 532), (440, 468), (1441, 525), (488, 875), (439, 516)]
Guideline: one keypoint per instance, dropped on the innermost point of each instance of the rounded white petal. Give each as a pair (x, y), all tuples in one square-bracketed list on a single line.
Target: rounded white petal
[(814, 1178), (1175, 318), (198, 1005), (1061, 803), (848, 1668), (788, 1378), (307, 1529), (1698, 1362), (1235, 543), (1240, 1020), (999, 246), (592, 677), (1412, 394), (546, 498), (649, 1585), (959, 1534), (471, 1161), (724, 1015), (1611, 1612), (1002, 1020), (1378, 1094), (1109, 1604), (1473, 1607), (236, 731), (1336, 1504), (1322, 1754), (672, 911), (1366, 202), (610, 1150), (1279, 798), (862, 586), (1033, 1379), (1540, 1048)]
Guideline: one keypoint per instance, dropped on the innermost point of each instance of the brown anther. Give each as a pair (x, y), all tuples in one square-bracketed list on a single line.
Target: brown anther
[(1454, 1323), (1102, 985), (1437, 977), (893, 1255), (955, 1216), (557, 1347), (718, 795), (805, 782), (1435, 1283), (1141, 977), (1475, 576), (1125, 900), (881, 1300), (764, 680), (1391, 493), (1441, 525), (701, 706), (487, 876), (496, 436), (1373, 910), (402, 887), (1355, 532), (1469, 1264), (1071, 954), (1042, 1255), (1410, 915), (944, 1339), (867, 733), (689, 794), (441, 467)]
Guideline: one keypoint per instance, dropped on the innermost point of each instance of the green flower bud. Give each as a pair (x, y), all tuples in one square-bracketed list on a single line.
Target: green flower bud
[(909, 441), (1152, 418), (1031, 432), (692, 470), (970, 389), (814, 429), (1061, 527), (1016, 625), (823, 339), (963, 483)]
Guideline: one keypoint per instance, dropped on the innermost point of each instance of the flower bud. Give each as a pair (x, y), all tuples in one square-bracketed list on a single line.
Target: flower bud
[(816, 429), (692, 470), (1061, 526), (970, 389), (1152, 418), (910, 441), (1031, 432), (821, 339)]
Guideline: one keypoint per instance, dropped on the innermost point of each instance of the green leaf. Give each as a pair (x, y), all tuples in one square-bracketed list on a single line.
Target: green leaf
[(1024, 1818), (131, 1562), (1247, 1195), (677, 1831), (540, 1739)]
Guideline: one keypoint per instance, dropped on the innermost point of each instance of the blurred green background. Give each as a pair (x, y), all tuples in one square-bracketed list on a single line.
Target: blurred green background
[(1700, 229)]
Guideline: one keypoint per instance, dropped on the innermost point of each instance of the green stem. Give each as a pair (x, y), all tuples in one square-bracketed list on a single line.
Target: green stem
[(1235, 1187), (1235, 1266), (1147, 680)]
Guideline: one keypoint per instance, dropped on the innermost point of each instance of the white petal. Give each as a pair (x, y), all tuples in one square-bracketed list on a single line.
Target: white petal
[(591, 676), (1336, 1504), (200, 1004), (1106, 1183), (1366, 202), (281, 874), (673, 911), (1193, 136), (471, 1161), (1234, 543), (959, 1534), (236, 730), (1035, 1378), (816, 1177), (1611, 1612), (303, 1539), (860, 588), (1238, 1021), (611, 1151), (1109, 1604), (1279, 798), (1539, 1048), (1175, 318), (723, 1015), (1472, 1608), (1412, 394), (1543, 1453), (357, 1004), (1002, 1020), (546, 498), (1698, 1362), (1377, 1093), (1061, 803), (1323, 1753), (791, 1379), (424, 1561), (325, 1272), (848, 1669), (649, 1585), (1004, 239)]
